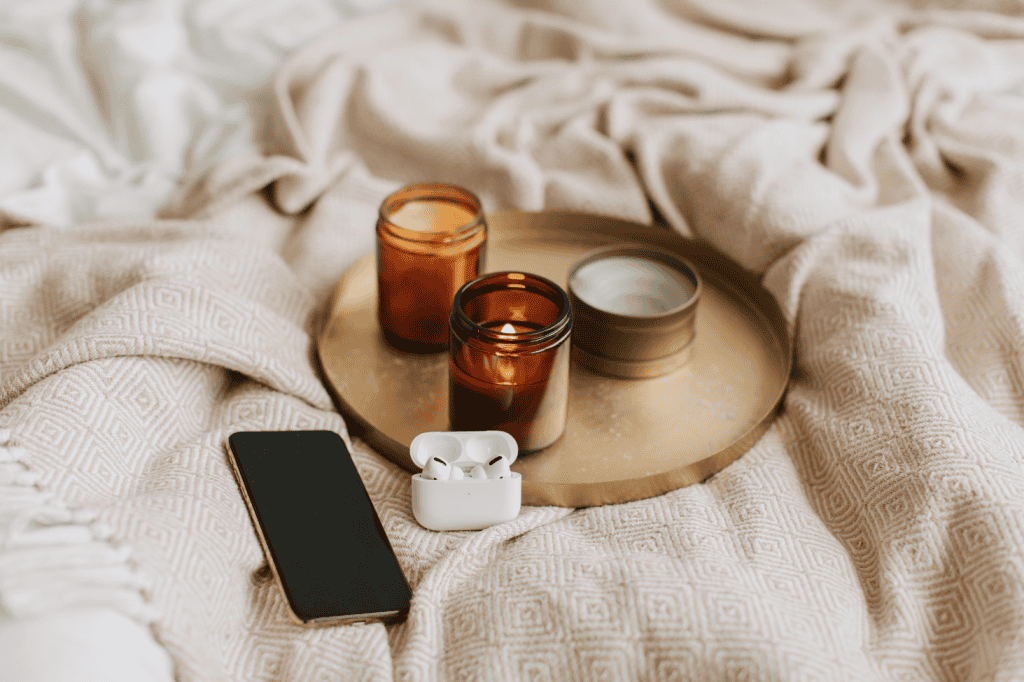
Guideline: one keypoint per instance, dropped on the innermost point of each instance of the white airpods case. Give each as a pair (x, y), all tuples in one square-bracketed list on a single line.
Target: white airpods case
[(468, 503)]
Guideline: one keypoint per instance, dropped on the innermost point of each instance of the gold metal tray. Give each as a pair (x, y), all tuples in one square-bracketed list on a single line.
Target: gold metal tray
[(626, 439)]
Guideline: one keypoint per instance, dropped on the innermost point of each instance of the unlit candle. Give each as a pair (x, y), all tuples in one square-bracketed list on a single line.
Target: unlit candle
[(430, 241), (432, 216), (628, 285)]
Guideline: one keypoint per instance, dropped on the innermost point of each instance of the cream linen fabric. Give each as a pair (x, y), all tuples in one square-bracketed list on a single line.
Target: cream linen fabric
[(106, 105), (865, 160)]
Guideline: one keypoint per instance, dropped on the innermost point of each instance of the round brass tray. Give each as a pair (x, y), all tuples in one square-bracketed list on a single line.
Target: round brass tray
[(626, 439)]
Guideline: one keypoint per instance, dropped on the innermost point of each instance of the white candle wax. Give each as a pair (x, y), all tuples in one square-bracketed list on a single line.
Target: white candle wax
[(630, 285), (431, 216)]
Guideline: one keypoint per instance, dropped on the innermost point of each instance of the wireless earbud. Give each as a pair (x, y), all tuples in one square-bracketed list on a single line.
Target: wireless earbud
[(498, 468), (437, 469), (478, 472)]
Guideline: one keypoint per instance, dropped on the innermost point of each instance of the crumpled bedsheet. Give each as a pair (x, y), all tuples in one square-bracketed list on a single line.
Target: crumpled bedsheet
[(107, 107), (865, 160)]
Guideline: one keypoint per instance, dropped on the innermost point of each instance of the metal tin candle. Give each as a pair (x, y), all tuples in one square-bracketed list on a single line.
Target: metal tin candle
[(509, 357), (635, 309), (430, 241)]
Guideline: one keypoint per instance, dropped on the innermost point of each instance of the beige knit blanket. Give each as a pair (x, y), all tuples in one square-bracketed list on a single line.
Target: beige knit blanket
[(867, 161)]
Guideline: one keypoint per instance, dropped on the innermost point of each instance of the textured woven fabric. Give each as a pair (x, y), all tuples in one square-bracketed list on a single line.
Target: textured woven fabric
[(866, 163)]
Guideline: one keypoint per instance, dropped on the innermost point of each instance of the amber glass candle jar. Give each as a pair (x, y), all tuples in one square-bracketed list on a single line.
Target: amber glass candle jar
[(430, 241), (509, 354)]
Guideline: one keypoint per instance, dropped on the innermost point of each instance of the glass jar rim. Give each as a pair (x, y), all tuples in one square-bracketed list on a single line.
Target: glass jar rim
[(494, 281), (431, 191)]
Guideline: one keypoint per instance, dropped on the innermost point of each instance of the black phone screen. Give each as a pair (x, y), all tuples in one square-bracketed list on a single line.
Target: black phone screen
[(318, 526)]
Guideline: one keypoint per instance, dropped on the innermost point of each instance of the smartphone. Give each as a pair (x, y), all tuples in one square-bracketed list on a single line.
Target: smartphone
[(320, 533)]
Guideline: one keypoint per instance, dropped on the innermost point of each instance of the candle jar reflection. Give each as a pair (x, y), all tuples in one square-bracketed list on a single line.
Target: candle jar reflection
[(430, 241), (509, 358)]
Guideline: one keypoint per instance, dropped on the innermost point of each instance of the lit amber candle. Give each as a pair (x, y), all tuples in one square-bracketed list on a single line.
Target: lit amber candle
[(509, 358), (430, 241)]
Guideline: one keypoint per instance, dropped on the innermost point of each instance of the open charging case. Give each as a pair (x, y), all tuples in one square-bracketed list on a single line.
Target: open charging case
[(467, 503)]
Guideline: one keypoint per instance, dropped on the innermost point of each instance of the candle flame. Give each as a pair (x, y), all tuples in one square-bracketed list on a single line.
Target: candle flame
[(508, 329)]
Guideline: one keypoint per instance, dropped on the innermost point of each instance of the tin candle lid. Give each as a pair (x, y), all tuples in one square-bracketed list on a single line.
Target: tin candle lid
[(635, 309)]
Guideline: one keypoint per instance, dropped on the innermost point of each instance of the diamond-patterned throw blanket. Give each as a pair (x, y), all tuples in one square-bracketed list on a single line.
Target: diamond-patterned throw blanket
[(867, 161)]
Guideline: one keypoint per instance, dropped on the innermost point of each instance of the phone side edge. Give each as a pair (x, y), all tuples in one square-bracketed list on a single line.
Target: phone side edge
[(258, 525)]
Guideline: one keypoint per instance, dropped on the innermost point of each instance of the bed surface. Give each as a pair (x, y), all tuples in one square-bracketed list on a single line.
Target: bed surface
[(166, 257)]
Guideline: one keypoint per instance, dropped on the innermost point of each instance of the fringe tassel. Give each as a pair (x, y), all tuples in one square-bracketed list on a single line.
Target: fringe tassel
[(53, 558)]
